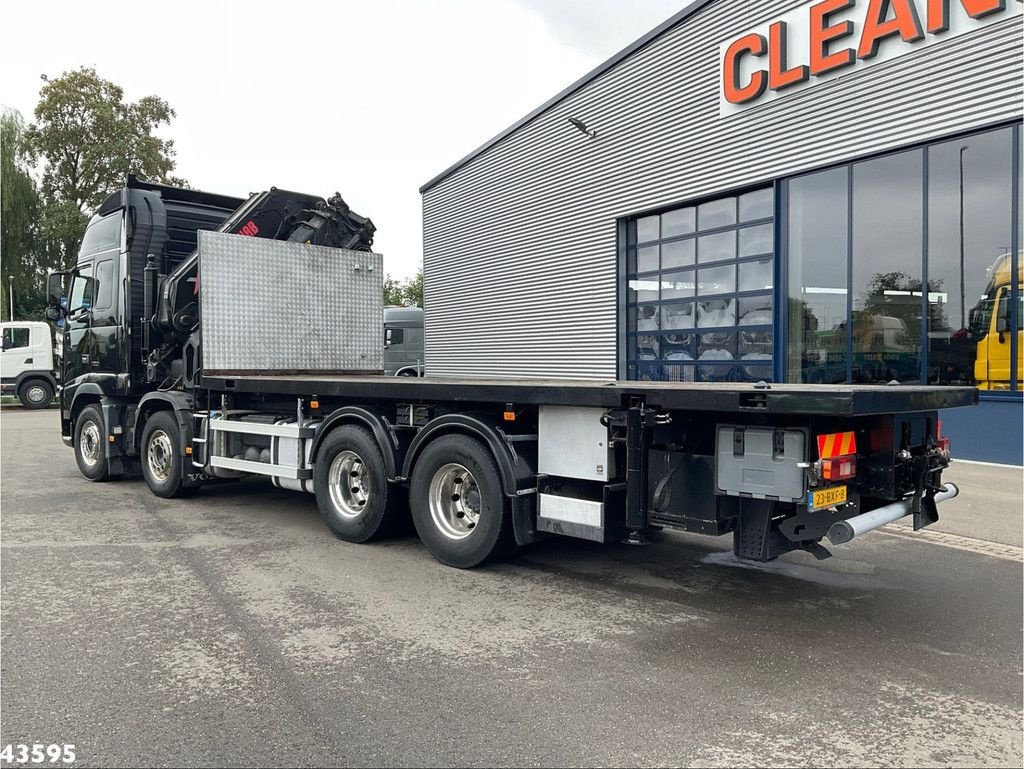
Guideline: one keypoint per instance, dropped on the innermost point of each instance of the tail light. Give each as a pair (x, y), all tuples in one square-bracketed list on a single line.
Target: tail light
[(837, 460), (838, 468), (945, 445)]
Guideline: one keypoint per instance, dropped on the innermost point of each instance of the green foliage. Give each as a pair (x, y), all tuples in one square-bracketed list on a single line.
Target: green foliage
[(89, 140), (22, 260), (409, 292)]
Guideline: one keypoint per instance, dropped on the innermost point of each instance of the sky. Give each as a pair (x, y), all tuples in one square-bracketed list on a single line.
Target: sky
[(370, 99)]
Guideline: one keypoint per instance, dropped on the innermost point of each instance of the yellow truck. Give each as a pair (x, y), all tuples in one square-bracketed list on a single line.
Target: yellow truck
[(991, 327)]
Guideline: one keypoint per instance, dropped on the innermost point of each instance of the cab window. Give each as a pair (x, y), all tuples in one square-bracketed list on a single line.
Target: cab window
[(81, 289), (103, 234), (103, 285), (15, 338)]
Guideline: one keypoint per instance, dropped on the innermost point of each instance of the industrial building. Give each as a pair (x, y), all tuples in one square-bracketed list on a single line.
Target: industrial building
[(825, 191)]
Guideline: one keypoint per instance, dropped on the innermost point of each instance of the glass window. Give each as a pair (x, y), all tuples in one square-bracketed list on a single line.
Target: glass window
[(679, 315), (682, 310), (103, 234), (755, 241), (104, 285), (678, 253), (716, 213), (716, 280), (678, 285), (895, 323), (15, 337), (818, 244), (647, 229), (395, 335), (720, 345), (757, 205), (968, 258), (756, 276), (81, 289), (718, 247), (888, 217), (716, 313), (682, 221), (755, 311), (647, 259)]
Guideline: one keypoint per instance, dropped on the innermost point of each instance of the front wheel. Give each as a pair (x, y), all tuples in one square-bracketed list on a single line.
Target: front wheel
[(35, 394), (458, 506), (90, 453), (162, 462)]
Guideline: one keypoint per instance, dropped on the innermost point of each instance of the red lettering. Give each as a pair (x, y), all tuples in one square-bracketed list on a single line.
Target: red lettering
[(938, 11), (878, 25), (822, 35), (735, 93), (250, 229), (778, 76)]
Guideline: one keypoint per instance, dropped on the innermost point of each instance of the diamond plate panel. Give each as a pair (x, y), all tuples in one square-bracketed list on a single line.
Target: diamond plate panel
[(269, 306)]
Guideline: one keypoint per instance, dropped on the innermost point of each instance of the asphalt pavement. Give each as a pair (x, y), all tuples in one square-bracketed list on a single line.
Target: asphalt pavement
[(233, 629)]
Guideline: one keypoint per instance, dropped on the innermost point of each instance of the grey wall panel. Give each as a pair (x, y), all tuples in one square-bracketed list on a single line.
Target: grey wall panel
[(520, 242)]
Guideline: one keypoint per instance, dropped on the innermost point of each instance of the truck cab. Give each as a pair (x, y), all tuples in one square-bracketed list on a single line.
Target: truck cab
[(403, 341), (991, 328), (26, 363), (102, 340)]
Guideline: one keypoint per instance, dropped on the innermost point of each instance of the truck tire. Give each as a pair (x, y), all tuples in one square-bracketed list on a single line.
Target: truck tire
[(35, 393), (162, 463), (458, 507), (90, 452), (351, 486)]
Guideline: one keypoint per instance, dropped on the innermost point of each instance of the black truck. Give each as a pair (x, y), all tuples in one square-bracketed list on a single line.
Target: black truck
[(211, 338)]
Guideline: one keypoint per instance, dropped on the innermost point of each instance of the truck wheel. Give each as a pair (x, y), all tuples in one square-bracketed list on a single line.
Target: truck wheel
[(35, 394), (458, 507), (90, 453), (162, 463), (351, 486)]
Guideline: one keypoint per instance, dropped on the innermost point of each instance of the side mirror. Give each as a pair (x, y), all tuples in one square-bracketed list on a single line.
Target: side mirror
[(1002, 324), (53, 313), (55, 288)]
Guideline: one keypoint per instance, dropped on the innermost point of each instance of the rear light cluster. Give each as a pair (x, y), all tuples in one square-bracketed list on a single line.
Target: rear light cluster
[(838, 468), (838, 456), (945, 445)]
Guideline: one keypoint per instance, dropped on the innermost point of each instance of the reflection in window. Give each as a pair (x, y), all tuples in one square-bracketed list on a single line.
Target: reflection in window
[(818, 244), (894, 323), (716, 213), (694, 275), (887, 220), (716, 248), (963, 341), (682, 221), (15, 337), (716, 280), (677, 253)]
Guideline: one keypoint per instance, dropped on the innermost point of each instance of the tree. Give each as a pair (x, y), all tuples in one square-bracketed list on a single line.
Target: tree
[(408, 293), (89, 140), (21, 259)]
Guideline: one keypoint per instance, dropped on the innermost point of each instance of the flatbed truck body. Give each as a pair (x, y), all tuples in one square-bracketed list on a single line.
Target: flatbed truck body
[(225, 372)]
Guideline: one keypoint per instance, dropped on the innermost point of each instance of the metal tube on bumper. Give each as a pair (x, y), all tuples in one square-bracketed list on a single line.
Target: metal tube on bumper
[(843, 531)]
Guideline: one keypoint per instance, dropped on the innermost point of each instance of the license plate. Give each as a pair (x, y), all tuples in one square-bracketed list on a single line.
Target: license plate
[(822, 498)]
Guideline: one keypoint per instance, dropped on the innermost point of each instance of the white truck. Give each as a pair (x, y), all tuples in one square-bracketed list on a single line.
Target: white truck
[(26, 363)]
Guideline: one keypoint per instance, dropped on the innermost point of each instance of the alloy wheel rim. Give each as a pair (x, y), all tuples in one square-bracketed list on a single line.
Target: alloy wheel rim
[(89, 443), (455, 503), (349, 484), (159, 455)]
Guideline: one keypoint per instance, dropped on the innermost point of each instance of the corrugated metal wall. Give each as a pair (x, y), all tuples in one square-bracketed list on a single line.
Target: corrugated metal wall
[(520, 243)]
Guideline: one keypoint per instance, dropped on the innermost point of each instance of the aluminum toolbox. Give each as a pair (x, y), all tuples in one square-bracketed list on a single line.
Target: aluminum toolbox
[(760, 462), (274, 307)]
